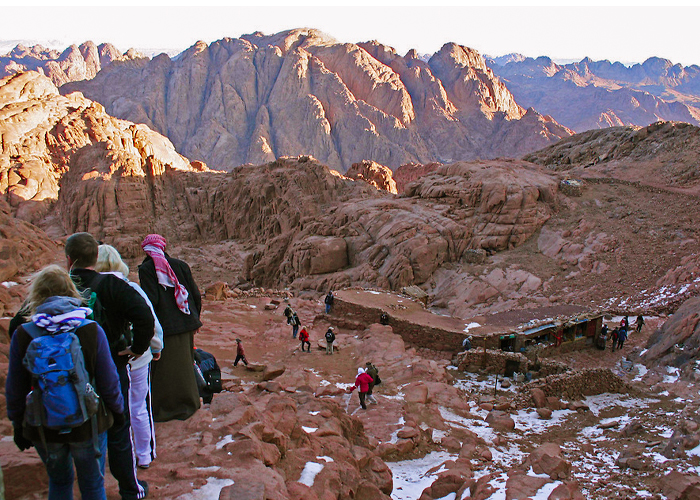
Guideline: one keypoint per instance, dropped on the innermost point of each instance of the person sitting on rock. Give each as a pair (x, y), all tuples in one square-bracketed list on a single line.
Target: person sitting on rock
[(304, 337), (240, 354), (362, 381)]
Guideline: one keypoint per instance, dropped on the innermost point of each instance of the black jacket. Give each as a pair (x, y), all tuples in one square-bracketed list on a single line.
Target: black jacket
[(122, 305), (171, 318)]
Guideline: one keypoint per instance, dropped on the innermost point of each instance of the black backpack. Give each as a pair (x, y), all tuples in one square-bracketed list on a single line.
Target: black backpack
[(118, 341), (330, 337), (206, 362)]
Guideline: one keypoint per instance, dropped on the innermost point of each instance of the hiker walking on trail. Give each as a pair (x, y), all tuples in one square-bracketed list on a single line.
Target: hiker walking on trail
[(329, 301), (144, 432), (129, 326), (330, 338), (640, 322), (294, 321), (240, 354), (288, 311), (304, 337), (169, 284), (55, 305), (373, 372), (362, 382), (614, 335), (621, 337)]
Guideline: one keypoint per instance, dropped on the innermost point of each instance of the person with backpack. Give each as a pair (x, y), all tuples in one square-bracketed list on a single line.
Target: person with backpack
[(128, 323), (240, 354), (614, 335), (621, 337), (373, 372), (362, 382), (640, 322), (304, 337), (329, 301), (142, 427), (330, 338), (294, 321), (169, 284), (66, 423), (288, 311)]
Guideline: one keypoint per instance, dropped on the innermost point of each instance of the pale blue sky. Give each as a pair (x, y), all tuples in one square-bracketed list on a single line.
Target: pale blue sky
[(625, 32)]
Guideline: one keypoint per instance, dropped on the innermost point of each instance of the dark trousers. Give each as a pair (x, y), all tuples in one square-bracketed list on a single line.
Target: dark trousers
[(308, 345), (371, 386), (362, 400), (119, 451), (240, 358)]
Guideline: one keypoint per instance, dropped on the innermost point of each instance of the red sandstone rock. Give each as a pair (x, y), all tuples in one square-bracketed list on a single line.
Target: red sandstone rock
[(547, 460), (500, 420), (374, 174)]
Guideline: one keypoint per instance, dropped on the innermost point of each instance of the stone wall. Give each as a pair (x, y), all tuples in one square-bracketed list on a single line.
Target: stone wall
[(573, 385), (491, 361), (414, 335)]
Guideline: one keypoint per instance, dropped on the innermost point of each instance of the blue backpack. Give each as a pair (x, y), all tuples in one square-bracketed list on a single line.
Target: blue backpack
[(62, 397)]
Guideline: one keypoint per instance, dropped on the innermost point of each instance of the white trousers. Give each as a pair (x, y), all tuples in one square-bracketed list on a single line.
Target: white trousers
[(142, 425)]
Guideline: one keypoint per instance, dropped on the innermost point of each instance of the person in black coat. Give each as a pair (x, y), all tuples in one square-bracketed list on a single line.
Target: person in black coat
[(169, 285)]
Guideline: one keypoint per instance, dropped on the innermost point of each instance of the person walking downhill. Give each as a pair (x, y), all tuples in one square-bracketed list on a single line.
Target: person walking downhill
[(128, 324), (330, 338), (373, 372), (304, 337), (294, 321), (640, 323), (240, 354), (55, 306), (142, 427), (362, 382), (176, 299), (621, 337), (614, 335)]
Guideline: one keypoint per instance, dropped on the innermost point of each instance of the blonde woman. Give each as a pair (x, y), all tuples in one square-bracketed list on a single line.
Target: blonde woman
[(55, 307), (142, 427)]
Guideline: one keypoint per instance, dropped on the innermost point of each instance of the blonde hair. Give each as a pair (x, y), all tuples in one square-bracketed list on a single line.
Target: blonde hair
[(108, 259), (51, 281)]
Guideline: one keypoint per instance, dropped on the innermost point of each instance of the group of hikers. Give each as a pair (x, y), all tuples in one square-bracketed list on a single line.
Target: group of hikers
[(293, 320), (95, 359), (618, 335)]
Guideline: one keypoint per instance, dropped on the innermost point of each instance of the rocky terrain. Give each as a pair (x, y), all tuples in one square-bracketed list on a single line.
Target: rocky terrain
[(599, 94), (77, 62), (603, 220), (299, 92)]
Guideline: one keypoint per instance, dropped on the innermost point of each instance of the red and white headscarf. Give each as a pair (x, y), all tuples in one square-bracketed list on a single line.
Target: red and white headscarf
[(154, 246)]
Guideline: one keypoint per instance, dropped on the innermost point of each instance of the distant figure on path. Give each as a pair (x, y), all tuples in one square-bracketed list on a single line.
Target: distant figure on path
[(640, 322), (467, 343), (362, 382), (176, 299), (295, 324), (373, 372), (240, 354), (288, 313), (304, 337), (621, 337), (330, 338), (558, 337), (613, 335), (329, 301), (384, 319)]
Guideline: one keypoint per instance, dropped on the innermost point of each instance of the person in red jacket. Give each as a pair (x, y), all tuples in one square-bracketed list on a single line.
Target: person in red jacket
[(304, 337), (240, 354), (362, 381)]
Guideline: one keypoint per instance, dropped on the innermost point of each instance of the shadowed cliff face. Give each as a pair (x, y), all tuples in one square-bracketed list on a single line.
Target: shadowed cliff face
[(253, 99)]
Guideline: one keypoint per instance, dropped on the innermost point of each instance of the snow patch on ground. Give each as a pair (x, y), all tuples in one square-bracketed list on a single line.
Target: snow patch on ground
[(210, 490), (673, 375), (308, 475), (606, 400), (530, 421), (309, 430), (470, 326), (410, 476), (224, 441)]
